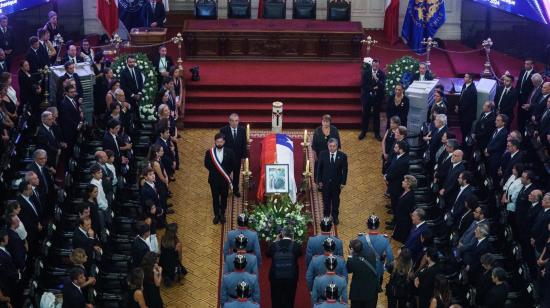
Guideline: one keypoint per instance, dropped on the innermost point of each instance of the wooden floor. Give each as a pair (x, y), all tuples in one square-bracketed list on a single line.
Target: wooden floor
[(362, 196)]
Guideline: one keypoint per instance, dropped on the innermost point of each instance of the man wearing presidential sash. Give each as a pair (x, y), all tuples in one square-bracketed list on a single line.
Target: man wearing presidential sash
[(219, 161)]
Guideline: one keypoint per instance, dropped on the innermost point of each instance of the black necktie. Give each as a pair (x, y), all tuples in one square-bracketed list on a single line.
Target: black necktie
[(331, 158), (234, 133)]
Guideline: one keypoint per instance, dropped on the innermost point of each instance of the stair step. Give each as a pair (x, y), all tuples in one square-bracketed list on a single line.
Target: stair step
[(265, 121), (257, 106), (270, 94)]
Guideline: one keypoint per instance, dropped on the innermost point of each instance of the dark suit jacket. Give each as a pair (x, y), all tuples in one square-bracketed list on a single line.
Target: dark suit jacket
[(157, 15), (69, 118), (72, 297), (435, 142), (464, 223), (522, 208), (539, 231), (4, 66), (378, 94), (284, 244), (36, 60), (139, 249), (148, 193), (402, 111), (81, 240), (413, 241), (467, 104), (332, 175), (66, 76), (48, 141), (27, 89), (168, 158), (496, 297), (507, 104), (7, 40), (109, 144), (79, 59), (156, 63), (508, 163), (426, 277), (458, 206), (524, 88), (451, 184), (397, 169), (128, 84), (427, 76), (484, 128), (8, 273), (46, 185), (364, 282), (237, 145), (497, 145), (29, 218), (472, 257), (544, 125), (16, 247), (214, 176), (405, 205)]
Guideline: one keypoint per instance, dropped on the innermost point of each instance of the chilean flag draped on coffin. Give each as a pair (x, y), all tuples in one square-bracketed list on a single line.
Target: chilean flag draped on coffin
[(277, 149)]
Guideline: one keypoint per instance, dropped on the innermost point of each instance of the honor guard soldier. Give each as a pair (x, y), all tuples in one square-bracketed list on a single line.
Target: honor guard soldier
[(253, 244), (317, 266), (315, 243), (332, 295), (330, 277), (239, 246), (230, 281), (379, 244), (242, 300)]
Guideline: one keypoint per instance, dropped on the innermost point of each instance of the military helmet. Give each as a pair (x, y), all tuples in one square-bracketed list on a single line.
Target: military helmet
[(326, 224), (243, 290), (331, 262), (240, 262), (331, 292), (242, 220), (373, 223), (240, 242), (329, 245)]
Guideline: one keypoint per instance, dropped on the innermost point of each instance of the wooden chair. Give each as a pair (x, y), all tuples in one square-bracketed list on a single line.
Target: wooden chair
[(274, 9), (206, 9), (304, 9), (238, 9), (339, 10)]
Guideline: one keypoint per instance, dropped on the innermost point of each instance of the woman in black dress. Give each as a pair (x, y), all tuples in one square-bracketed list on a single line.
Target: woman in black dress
[(136, 298), (399, 288), (442, 293), (321, 136), (102, 79), (170, 255), (398, 105), (152, 278), (90, 199), (405, 206), (389, 141)]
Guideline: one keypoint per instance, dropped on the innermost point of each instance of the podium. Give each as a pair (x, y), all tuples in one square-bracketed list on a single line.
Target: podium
[(87, 79), (486, 90), (147, 36), (420, 94)]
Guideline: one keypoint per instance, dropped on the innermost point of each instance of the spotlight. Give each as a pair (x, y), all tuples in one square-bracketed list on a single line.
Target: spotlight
[(195, 73)]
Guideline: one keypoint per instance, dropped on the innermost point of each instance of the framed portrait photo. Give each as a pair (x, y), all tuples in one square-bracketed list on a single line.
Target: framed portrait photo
[(276, 178)]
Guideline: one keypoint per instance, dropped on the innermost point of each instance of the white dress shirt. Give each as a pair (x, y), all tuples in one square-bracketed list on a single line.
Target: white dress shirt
[(101, 198)]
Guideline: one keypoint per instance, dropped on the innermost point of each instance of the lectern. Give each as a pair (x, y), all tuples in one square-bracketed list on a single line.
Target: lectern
[(420, 94), (486, 89), (147, 36)]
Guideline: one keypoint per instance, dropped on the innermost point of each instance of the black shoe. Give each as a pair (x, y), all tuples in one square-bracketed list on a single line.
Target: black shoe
[(389, 211), (222, 219), (237, 194), (361, 136), (216, 220), (378, 137)]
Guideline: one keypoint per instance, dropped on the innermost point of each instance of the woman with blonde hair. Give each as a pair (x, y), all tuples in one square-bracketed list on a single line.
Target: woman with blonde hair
[(404, 208), (400, 286)]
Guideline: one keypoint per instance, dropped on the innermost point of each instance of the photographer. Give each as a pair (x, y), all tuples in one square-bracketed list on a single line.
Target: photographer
[(283, 274)]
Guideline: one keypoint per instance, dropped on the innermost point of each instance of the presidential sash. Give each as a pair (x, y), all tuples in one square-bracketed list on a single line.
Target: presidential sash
[(219, 167)]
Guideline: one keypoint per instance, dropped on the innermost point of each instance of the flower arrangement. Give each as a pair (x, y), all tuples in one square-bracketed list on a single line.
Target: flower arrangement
[(400, 72), (279, 212), (147, 110)]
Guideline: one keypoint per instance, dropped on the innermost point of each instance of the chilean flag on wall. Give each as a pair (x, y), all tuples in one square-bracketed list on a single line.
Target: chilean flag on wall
[(277, 149), (107, 13), (391, 20)]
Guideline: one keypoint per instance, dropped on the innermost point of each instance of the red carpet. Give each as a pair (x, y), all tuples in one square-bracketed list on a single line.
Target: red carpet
[(303, 298)]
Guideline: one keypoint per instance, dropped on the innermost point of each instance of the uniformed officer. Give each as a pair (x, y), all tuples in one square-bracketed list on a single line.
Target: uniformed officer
[(330, 277), (230, 281), (242, 300), (332, 295), (315, 243), (253, 245), (377, 243), (239, 246), (317, 266)]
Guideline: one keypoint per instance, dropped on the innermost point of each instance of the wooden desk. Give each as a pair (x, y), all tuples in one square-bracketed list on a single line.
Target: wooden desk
[(147, 36), (273, 39)]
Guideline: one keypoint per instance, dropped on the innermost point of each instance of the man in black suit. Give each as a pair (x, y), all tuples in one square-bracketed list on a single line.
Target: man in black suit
[(113, 142), (522, 205), (332, 174), (425, 281), (423, 73), (445, 161), (535, 210), (219, 161), (397, 169), (34, 56), (497, 145), (4, 65), (70, 116), (141, 243), (85, 237), (9, 274), (471, 258), (154, 14), (44, 37), (465, 190), (30, 215), (537, 101), (450, 188), (485, 125), (435, 135), (16, 246), (70, 74), (72, 56), (414, 242), (539, 231), (169, 157), (72, 293), (236, 141), (131, 82), (46, 183), (543, 128), (524, 87), (364, 283), (7, 38), (153, 204), (506, 98), (47, 139), (467, 106), (163, 64), (373, 100), (511, 157)]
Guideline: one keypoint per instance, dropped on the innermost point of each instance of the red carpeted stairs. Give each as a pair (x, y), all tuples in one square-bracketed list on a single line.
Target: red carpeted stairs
[(307, 89)]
